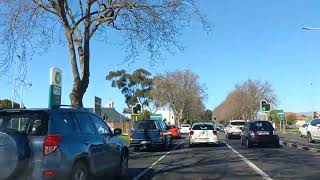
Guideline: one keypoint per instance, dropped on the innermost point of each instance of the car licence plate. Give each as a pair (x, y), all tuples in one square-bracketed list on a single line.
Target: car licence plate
[(144, 142), (263, 132)]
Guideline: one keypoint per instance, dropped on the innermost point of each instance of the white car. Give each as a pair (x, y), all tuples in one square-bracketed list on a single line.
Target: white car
[(234, 128), (313, 130), (203, 133), (185, 128), (303, 130)]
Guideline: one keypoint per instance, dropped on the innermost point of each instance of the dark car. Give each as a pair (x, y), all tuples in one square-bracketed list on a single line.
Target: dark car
[(150, 134), (59, 143), (259, 133)]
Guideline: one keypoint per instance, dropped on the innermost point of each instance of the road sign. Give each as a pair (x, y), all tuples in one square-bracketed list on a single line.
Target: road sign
[(281, 116), (97, 106), (55, 86), (127, 110)]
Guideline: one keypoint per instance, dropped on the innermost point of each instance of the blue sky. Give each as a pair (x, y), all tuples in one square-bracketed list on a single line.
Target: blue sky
[(254, 39)]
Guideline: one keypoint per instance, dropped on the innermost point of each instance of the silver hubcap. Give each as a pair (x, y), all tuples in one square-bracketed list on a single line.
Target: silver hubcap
[(80, 175), (124, 165)]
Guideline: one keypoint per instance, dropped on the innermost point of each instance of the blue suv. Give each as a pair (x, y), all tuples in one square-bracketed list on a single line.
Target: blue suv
[(59, 143)]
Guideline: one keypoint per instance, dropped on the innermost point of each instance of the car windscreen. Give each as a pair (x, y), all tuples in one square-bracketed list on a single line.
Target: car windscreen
[(237, 123), (262, 126), (144, 125), (32, 123), (203, 127)]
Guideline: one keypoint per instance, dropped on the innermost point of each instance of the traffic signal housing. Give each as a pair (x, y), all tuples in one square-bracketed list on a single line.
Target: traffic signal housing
[(265, 106), (137, 109)]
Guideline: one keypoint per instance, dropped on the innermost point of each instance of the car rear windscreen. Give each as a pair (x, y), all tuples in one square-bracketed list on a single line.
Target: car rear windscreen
[(237, 123), (203, 127), (32, 123), (262, 126), (144, 125)]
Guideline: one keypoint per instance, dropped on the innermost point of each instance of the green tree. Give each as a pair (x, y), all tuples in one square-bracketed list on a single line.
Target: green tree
[(135, 87), (7, 104)]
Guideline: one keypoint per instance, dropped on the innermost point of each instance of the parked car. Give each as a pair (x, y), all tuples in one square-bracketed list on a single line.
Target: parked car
[(259, 133), (234, 128), (150, 134), (203, 133), (220, 128), (313, 130), (185, 128), (59, 143), (303, 130), (175, 132)]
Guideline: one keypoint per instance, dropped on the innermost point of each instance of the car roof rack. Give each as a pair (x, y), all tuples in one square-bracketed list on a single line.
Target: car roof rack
[(70, 106)]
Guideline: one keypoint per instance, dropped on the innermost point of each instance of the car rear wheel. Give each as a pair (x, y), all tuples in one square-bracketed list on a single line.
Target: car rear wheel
[(248, 143), (310, 140), (136, 148), (122, 171), (80, 172)]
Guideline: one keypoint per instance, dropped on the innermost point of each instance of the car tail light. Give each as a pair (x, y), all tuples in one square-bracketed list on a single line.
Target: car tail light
[(161, 134), (253, 133), (48, 173), (215, 132), (51, 143), (191, 133), (275, 132)]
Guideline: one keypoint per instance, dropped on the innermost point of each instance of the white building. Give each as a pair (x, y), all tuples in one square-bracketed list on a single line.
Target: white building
[(167, 114)]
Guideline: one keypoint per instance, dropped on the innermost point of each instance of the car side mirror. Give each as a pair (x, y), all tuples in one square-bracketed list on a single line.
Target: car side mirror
[(117, 131)]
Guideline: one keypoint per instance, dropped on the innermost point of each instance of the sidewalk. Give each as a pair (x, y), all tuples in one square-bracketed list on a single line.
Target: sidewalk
[(293, 140)]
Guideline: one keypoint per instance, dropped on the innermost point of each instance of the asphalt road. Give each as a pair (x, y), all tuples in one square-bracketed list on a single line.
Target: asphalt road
[(228, 160)]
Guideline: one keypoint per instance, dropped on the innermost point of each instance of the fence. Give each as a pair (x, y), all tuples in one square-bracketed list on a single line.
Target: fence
[(122, 125)]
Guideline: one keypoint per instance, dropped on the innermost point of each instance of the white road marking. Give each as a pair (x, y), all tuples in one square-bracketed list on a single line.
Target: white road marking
[(155, 163), (253, 166)]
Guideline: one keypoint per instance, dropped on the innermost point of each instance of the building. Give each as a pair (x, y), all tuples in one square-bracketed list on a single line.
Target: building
[(166, 114), (114, 118)]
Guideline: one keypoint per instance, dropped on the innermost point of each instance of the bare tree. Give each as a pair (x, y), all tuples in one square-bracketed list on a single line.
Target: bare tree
[(181, 91), (243, 101), (29, 26)]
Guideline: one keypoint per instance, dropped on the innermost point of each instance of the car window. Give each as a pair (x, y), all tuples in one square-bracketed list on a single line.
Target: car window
[(203, 127), (85, 123), (32, 123), (144, 125), (313, 122), (101, 127), (262, 126), (237, 123), (66, 123)]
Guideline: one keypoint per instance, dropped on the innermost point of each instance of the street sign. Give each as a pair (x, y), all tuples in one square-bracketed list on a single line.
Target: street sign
[(281, 116), (127, 110), (156, 116), (55, 85), (97, 106)]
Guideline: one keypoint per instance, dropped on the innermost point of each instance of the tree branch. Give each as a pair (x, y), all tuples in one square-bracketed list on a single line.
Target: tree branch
[(45, 6)]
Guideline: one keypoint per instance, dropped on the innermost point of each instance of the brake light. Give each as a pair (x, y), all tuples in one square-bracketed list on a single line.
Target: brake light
[(215, 132), (253, 133), (48, 173), (191, 133), (275, 132), (51, 143), (161, 134)]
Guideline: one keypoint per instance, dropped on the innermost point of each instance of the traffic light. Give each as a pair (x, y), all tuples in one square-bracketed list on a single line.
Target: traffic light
[(137, 109), (316, 115), (265, 106)]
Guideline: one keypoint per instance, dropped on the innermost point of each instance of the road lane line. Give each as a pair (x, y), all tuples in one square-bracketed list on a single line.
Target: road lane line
[(155, 163), (253, 166)]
